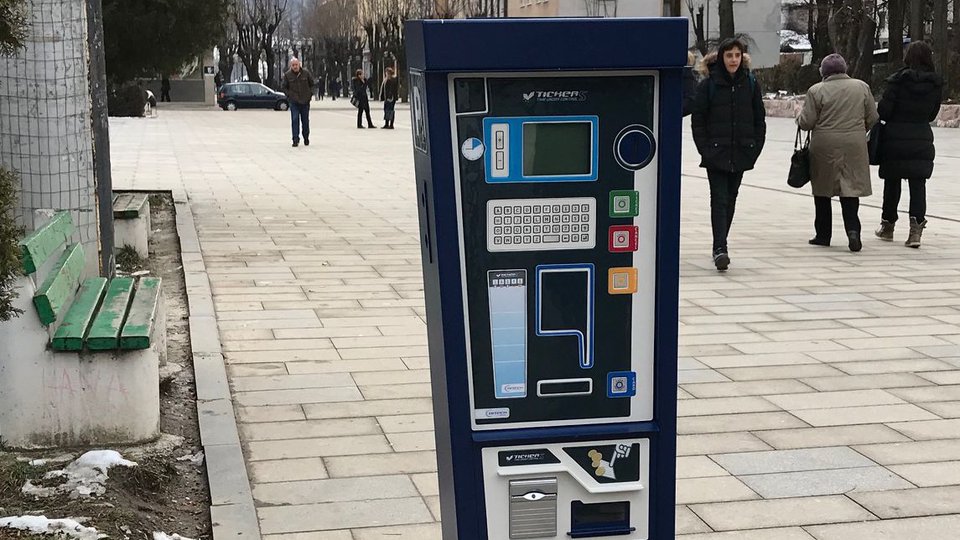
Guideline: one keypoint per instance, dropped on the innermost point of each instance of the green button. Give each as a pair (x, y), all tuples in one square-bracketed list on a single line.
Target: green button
[(624, 204)]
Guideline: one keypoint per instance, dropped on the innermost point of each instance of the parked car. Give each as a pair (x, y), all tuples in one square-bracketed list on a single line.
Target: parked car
[(248, 95)]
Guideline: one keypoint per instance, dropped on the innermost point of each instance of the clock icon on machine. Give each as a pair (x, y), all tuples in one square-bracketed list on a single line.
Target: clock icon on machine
[(472, 149)]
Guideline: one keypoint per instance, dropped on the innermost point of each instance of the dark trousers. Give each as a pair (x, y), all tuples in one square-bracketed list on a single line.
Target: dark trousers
[(299, 115), (823, 223), (364, 107), (891, 198), (165, 95), (724, 187), (389, 111)]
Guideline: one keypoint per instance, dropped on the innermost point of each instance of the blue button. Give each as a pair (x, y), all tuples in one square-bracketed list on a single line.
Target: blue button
[(621, 384)]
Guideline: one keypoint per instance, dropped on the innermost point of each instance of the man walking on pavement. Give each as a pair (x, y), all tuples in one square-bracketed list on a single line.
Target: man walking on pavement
[(298, 85)]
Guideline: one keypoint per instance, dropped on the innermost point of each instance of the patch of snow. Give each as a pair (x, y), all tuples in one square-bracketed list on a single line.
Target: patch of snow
[(85, 477), (196, 459), (165, 536), (71, 528), (794, 40)]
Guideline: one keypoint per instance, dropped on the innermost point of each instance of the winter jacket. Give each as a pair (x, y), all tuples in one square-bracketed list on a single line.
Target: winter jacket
[(729, 126), (359, 88), (838, 112), (390, 90), (910, 103), (298, 86)]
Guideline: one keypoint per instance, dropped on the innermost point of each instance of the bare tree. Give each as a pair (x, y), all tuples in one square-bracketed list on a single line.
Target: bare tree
[(696, 19), (917, 8), (852, 32), (895, 32), (271, 15), (941, 46), (249, 38)]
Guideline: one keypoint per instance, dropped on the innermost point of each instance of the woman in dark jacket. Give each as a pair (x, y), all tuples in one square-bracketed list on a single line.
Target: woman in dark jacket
[(729, 128), (910, 103), (360, 92), (389, 94)]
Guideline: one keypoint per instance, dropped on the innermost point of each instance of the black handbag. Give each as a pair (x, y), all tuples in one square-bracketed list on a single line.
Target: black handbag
[(873, 143), (800, 162)]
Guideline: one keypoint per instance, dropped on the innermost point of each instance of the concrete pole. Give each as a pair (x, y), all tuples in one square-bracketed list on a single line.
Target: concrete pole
[(46, 127)]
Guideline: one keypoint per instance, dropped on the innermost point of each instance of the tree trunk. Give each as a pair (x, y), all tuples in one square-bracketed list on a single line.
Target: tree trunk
[(941, 47), (727, 26), (916, 19), (895, 25), (823, 45), (862, 67)]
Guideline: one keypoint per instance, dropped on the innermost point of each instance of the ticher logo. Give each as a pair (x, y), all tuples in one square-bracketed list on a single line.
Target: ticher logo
[(555, 95)]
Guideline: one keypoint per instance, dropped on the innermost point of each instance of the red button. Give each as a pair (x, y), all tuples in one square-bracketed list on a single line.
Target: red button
[(623, 238)]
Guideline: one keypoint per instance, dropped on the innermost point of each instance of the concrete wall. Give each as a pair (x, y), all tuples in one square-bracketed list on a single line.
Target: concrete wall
[(46, 131), (184, 90)]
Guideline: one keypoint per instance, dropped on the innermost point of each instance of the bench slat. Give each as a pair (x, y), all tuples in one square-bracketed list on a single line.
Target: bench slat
[(60, 285), (73, 329), (142, 316), (129, 205), (105, 331), (42, 243)]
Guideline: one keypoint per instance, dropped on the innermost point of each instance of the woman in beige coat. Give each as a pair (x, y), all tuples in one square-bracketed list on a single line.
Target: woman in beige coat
[(838, 111)]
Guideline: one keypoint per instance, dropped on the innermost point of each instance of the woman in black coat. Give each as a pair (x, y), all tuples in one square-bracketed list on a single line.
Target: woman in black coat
[(910, 103), (360, 93), (729, 128)]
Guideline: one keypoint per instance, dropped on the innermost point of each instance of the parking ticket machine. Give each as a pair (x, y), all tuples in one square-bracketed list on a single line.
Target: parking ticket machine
[(547, 157)]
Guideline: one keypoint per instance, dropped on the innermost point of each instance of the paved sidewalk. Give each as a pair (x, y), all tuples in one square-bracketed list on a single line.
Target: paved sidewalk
[(820, 389)]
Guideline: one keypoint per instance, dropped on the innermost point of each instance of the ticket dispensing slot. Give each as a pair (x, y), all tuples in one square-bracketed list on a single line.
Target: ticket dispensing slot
[(533, 508), (600, 519)]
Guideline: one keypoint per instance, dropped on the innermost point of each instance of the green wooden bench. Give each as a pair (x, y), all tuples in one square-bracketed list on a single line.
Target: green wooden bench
[(95, 313), (131, 221)]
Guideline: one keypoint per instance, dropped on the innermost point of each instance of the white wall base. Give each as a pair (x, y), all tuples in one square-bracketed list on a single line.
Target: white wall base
[(134, 232), (60, 399)]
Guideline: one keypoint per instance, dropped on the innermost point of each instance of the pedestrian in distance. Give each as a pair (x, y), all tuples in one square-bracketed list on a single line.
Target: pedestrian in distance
[(389, 94), (165, 89), (297, 84), (334, 89), (910, 102), (729, 129), (838, 112), (361, 98)]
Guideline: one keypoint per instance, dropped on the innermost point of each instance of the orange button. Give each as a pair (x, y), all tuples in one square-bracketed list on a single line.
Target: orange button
[(622, 280)]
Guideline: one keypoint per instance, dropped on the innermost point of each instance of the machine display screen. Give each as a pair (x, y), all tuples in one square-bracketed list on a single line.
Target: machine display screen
[(557, 148)]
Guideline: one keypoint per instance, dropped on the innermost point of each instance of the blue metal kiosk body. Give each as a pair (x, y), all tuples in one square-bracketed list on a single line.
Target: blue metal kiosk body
[(547, 157)]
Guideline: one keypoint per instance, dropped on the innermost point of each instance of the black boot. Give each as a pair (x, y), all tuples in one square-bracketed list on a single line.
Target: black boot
[(855, 243), (721, 259)]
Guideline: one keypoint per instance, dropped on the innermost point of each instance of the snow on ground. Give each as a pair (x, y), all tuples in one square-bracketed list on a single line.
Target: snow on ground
[(165, 536), (71, 528), (796, 41), (85, 477)]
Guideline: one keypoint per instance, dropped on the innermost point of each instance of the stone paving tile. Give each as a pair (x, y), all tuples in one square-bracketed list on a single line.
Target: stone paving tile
[(927, 528), (271, 413), (298, 396), (825, 400), (946, 409), (343, 515), (287, 470), (780, 372), (688, 523), (824, 482), (907, 503), (790, 533), (388, 463), (781, 513), (933, 429), (335, 490), (733, 405), (313, 535), (781, 461), (790, 439), (738, 422), (753, 388), (288, 382), (318, 447), (866, 382), (718, 443), (309, 429), (429, 531), (368, 408), (698, 467), (863, 415), (945, 473), (709, 490)]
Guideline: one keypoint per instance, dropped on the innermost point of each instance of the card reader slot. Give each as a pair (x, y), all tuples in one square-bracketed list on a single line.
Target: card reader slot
[(565, 387)]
